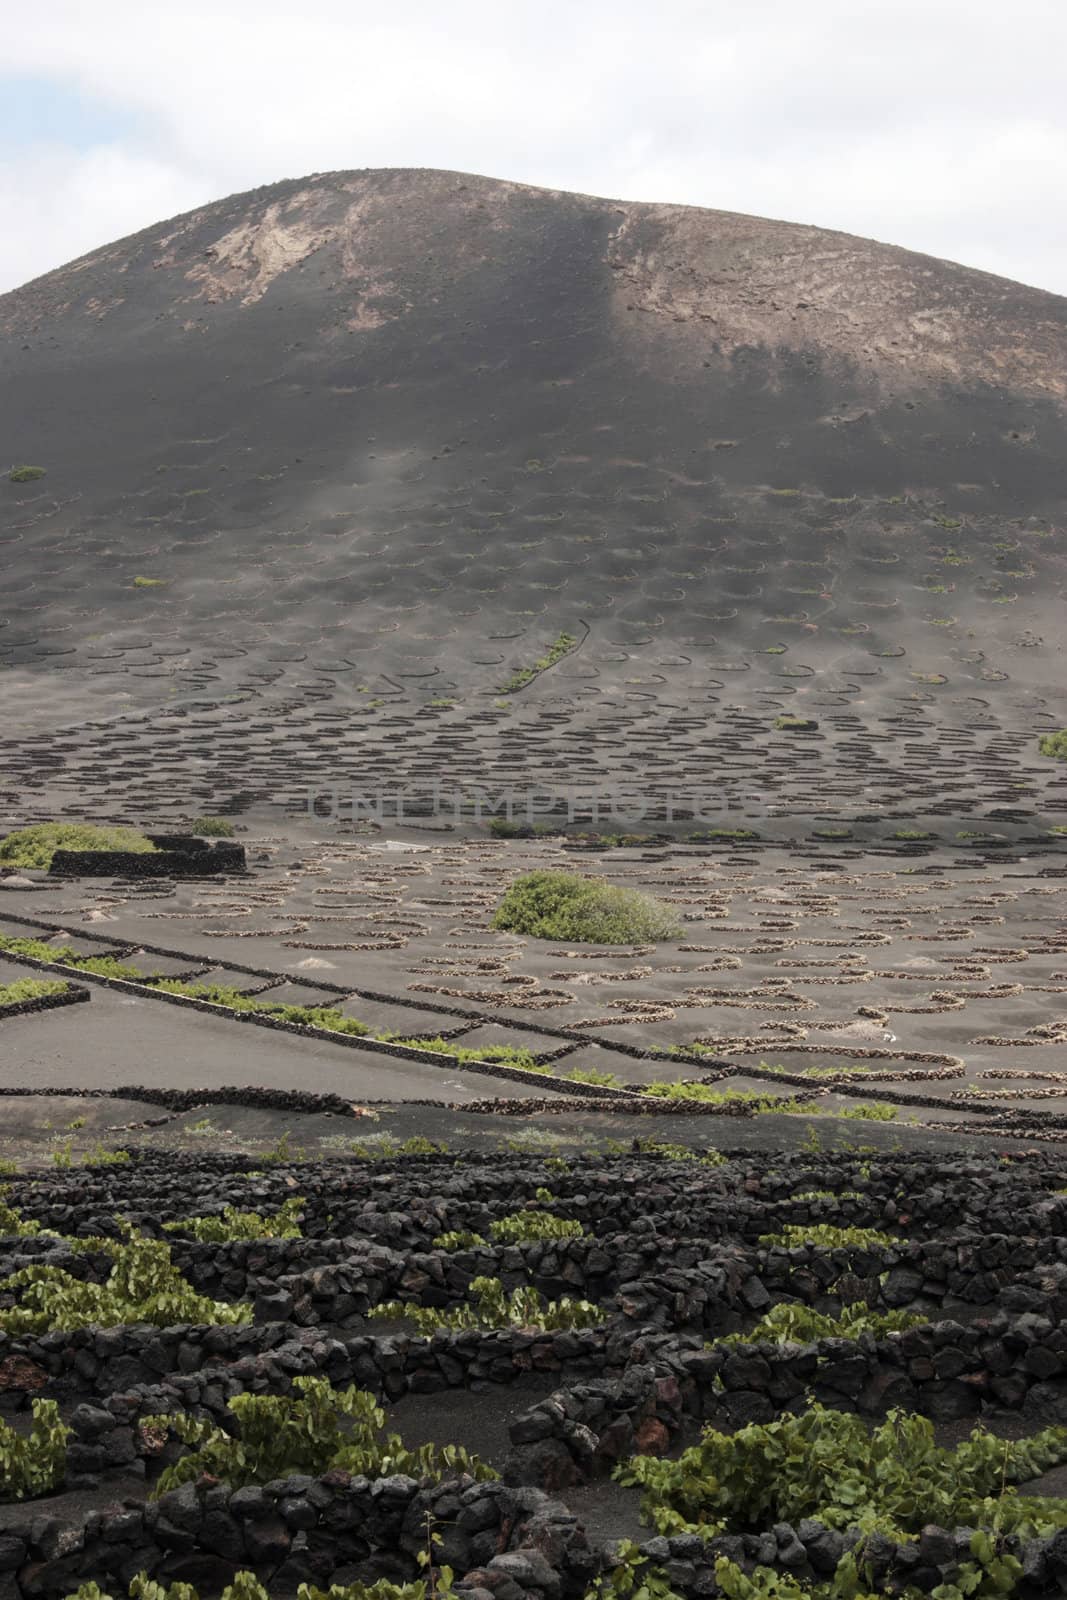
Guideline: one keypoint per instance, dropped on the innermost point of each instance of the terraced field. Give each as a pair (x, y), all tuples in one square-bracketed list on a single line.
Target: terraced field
[(543, 1376)]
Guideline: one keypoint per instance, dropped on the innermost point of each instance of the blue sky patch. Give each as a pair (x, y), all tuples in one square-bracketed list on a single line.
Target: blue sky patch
[(35, 110)]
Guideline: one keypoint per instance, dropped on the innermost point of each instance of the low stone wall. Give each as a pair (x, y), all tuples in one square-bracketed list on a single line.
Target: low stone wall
[(511, 1542), (71, 996), (809, 1552), (197, 859), (943, 1370)]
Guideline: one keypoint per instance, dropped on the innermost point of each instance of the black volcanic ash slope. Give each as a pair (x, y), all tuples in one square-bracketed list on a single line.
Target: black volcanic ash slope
[(381, 436)]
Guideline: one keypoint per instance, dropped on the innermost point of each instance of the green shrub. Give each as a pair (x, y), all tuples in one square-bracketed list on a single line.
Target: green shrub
[(1054, 745), (143, 1285), (458, 1239), (33, 1463), (565, 906), (509, 1055), (213, 827), (25, 474), (523, 1226), (12, 1224), (826, 1465), (232, 1224), (23, 989), (787, 724), (799, 1324), (593, 1075), (492, 1308), (316, 1430), (34, 847), (797, 1234)]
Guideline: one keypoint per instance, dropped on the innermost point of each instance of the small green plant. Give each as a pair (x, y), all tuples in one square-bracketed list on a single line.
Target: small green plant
[(282, 1152), (232, 1224), (795, 1235), (101, 1156), (560, 646), (35, 1462), (523, 1226), (12, 1224), (213, 827), (594, 1076), (149, 583), (789, 724), (508, 1055), (566, 906), (458, 1239), (317, 1429), (1054, 745), (492, 1308), (25, 474)]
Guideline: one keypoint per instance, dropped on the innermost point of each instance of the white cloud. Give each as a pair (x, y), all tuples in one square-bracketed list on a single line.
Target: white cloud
[(936, 124)]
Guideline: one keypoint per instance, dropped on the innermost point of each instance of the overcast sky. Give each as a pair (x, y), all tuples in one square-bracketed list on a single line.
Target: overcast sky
[(936, 124)]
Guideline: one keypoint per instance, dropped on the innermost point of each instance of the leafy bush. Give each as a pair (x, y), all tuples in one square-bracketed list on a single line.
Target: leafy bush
[(798, 1324), (34, 847), (1054, 745), (563, 905), (35, 1462), (525, 1225), (458, 1239), (788, 724), (143, 1285), (232, 1224), (279, 1435), (523, 1308), (825, 1464), (213, 827), (25, 474), (594, 1076), (23, 989), (827, 1237)]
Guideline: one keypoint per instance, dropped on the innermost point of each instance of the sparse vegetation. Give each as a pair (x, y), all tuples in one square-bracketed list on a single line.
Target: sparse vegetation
[(826, 1236), (23, 989), (560, 646), (34, 847), (1054, 745), (213, 827), (563, 905)]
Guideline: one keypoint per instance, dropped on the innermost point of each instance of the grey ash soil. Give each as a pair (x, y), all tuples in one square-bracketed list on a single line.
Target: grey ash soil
[(376, 440)]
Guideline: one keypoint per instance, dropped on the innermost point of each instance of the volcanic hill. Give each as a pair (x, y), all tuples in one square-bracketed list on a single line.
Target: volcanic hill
[(330, 467)]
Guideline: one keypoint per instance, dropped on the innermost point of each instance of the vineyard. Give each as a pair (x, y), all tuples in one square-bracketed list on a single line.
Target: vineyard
[(831, 1375)]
